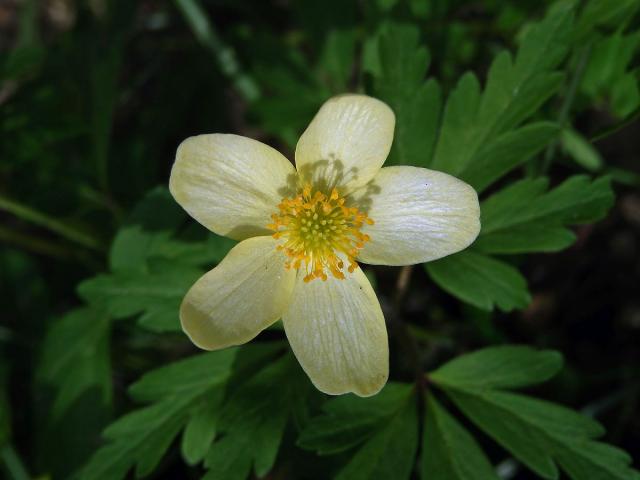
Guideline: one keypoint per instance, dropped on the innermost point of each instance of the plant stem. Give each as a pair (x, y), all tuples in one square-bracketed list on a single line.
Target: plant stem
[(43, 220), (206, 34), (402, 331), (563, 116)]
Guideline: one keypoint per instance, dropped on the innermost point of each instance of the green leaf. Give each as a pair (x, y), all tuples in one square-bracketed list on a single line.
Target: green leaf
[(506, 366), (580, 150), (449, 452), (609, 75), (541, 434), (141, 437), (476, 122), (254, 419), (480, 280), (386, 427), (524, 218), (127, 293), (149, 234), (350, 420), (415, 102), (597, 13), (508, 151), (336, 61), (75, 357), (201, 428)]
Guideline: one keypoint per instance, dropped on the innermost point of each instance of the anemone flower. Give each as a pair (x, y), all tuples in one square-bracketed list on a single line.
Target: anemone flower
[(302, 232)]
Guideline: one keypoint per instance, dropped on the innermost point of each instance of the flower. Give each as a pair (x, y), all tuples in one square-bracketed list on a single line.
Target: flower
[(302, 231)]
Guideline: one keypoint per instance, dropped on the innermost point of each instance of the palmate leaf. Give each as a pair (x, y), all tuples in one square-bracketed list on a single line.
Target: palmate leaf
[(157, 295), (253, 421), (152, 270), (541, 434), (140, 438), (525, 217), (522, 218), (609, 75), (386, 427), (189, 394), (484, 124), (449, 452), (483, 136), (149, 234), (75, 357), (400, 81), (480, 280)]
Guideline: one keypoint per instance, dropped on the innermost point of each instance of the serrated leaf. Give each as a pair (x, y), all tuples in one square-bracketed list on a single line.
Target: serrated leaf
[(201, 428), (416, 103), (597, 13), (474, 121), (449, 452), (350, 420), (187, 377), (609, 73), (480, 280), (141, 437), (525, 218), (75, 357), (390, 452), (254, 419), (149, 233), (507, 366), (508, 151), (128, 293), (385, 427), (540, 434)]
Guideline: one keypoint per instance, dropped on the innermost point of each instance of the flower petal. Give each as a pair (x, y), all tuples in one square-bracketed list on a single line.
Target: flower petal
[(243, 295), (230, 184), (337, 332), (419, 214), (346, 143)]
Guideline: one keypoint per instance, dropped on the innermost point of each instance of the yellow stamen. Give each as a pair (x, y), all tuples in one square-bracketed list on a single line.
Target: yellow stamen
[(317, 229)]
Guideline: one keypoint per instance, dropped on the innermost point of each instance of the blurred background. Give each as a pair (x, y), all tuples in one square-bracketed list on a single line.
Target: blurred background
[(96, 95)]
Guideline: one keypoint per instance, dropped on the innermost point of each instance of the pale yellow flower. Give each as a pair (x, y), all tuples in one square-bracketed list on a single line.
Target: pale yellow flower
[(303, 229)]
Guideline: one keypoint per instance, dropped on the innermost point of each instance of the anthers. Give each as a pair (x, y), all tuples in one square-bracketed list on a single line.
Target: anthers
[(318, 231)]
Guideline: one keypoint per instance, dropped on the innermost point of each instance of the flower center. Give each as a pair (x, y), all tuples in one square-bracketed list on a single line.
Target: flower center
[(318, 231)]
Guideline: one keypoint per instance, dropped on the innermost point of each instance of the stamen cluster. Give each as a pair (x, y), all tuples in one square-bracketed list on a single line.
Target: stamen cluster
[(318, 230)]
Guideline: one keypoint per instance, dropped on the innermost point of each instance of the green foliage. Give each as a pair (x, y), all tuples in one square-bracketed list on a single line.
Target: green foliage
[(474, 120), (415, 102), (254, 419), (384, 427), (481, 280), (608, 76), (579, 148), (542, 435), (152, 270), (75, 358), (525, 217), (449, 452), (141, 437)]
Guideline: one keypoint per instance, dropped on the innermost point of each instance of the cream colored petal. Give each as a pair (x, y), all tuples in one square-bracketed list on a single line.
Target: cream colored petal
[(242, 296), (346, 143), (419, 214), (337, 332), (230, 184)]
